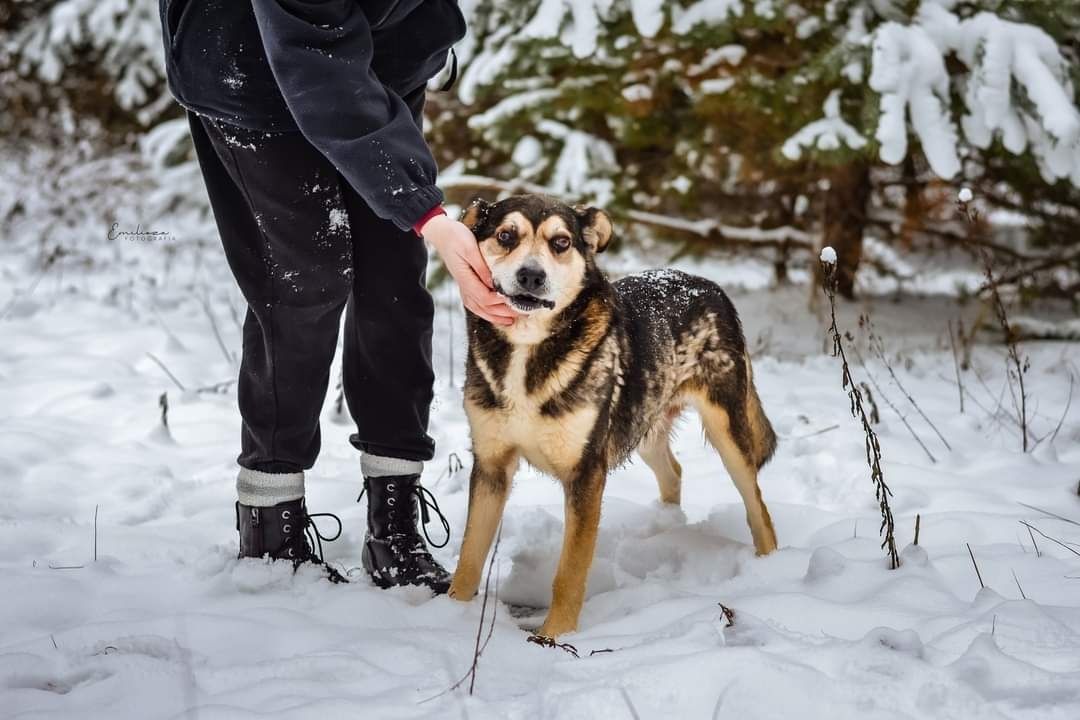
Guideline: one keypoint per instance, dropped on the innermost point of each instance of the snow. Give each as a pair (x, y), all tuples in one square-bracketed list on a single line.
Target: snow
[(167, 623), (828, 133), (910, 74), (729, 54), (648, 16), (828, 255), (717, 86), (965, 195), (637, 92), (1006, 61), (709, 12)]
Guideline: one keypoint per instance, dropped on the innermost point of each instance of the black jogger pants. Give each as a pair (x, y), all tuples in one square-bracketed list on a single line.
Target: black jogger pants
[(303, 245)]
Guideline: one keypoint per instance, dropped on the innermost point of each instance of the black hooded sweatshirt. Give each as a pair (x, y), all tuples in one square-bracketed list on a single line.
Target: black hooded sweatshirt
[(335, 70)]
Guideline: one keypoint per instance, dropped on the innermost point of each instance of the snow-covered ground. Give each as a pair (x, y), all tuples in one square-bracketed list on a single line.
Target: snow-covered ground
[(167, 623)]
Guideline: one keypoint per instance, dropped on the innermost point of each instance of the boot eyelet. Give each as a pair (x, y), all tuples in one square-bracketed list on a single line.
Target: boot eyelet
[(292, 552), (390, 487), (286, 514), (286, 529), (390, 501)]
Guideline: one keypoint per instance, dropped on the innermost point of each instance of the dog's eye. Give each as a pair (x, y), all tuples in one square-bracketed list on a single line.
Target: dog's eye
[(505, 237), (560, 244)]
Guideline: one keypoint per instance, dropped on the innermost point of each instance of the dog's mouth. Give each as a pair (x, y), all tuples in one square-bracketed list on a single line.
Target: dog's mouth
[(524, 302)]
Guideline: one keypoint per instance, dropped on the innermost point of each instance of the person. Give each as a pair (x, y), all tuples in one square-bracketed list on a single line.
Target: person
[(306, 120)]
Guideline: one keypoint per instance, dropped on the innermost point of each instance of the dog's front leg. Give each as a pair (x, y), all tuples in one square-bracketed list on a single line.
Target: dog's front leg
[(489, 486), (582, 508)]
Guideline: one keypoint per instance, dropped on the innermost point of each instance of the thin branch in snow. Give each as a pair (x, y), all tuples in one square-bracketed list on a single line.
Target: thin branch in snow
[(1049, 514), (167, 371), (1020, 365), (1030, 527), (892, 406), (877, 346), (956, 367), (977, 573), (873, 447), (1022, 594)]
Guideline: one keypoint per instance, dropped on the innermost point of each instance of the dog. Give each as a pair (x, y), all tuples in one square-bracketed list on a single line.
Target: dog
[(588, 373)]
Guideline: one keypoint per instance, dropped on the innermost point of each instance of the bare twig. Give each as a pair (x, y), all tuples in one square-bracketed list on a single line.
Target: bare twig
[(877, 346), (918, 521), (1035, 544), (892, 406), (1073, 550), (956, 367), (1018, 585), (1049, 514), (1061, 420), (161, 365), (977, 573), (95, 532), (1020, 365), (57, 253), (481, 645), (873, 448), (163, 403), (544, 641)]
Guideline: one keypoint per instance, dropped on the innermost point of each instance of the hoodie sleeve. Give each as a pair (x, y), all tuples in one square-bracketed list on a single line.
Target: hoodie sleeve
[(320, 52)]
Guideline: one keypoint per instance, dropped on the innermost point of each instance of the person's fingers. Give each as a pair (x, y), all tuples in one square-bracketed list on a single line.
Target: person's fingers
[(476, 261), (490, 317)]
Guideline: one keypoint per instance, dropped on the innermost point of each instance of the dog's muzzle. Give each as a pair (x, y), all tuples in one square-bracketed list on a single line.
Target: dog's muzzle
[(524, 301)]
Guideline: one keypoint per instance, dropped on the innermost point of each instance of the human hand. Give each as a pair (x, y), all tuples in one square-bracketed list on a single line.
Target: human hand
[(456, 245)]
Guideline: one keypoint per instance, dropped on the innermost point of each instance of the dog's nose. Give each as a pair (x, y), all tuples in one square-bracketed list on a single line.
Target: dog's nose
[(531, 279)]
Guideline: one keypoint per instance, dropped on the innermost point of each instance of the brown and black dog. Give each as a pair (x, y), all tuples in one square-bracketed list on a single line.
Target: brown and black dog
[(590, 372)]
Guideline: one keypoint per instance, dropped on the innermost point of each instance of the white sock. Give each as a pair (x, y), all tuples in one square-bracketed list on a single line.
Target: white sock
[(373, 466), (261, 489)]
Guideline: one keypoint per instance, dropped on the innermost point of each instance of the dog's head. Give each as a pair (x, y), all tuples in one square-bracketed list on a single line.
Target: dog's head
[(540, 250)]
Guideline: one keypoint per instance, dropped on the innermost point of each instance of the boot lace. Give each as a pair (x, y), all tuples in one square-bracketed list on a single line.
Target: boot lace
[(426, 500)]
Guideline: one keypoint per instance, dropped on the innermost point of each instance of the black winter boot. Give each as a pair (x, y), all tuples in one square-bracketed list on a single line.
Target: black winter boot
[(394, 553), (284, 532)]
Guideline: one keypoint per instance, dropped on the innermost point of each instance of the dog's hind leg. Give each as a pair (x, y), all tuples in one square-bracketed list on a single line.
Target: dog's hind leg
[(582, 506), (732, 433), (655, 450), (489, 486)]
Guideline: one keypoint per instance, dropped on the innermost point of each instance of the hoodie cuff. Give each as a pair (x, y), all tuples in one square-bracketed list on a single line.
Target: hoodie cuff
[(410, 209), (418, 226)]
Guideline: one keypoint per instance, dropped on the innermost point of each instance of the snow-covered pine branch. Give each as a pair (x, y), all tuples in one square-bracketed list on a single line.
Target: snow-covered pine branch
[(118, 40)]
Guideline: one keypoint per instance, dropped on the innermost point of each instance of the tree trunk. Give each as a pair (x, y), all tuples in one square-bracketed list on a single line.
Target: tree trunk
[(845, 220)]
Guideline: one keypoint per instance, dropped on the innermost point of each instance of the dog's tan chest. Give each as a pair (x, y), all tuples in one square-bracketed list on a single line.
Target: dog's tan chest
[(551, 444)]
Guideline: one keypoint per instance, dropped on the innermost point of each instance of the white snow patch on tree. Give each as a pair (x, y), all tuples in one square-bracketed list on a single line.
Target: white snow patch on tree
[(730, 54), (909, 72), (648, 16), (710, 12), (828, 133), (637, 92), (1017, 89)]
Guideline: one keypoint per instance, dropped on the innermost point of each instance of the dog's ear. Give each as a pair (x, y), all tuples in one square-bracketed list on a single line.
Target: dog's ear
[(476, 213), (596, 227)]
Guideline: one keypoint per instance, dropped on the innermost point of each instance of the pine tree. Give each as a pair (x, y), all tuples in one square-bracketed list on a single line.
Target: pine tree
[(773, 113), (87, 64)]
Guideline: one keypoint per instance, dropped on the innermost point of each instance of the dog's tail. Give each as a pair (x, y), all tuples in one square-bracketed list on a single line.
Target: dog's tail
[(762, 435)]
